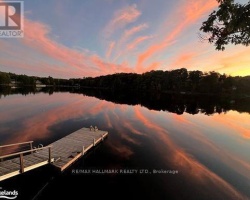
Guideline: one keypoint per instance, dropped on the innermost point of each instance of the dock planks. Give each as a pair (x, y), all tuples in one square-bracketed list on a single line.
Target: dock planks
[(64, 152), (10, 168), (74, 146)]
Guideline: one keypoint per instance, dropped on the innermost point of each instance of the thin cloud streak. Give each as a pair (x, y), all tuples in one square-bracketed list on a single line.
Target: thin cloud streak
[(121, 18), (137, 41), (110, 49), (128, 33)]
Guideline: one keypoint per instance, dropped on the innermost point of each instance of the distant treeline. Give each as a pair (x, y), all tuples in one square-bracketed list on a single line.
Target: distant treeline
[(179, 80), (24, 80)]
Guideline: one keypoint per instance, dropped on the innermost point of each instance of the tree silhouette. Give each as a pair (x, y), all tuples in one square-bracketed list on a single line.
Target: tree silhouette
[(229, 24)]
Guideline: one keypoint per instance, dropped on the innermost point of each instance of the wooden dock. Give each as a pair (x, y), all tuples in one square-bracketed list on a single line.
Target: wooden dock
[(68, 149), (61, 154), (24, 161)]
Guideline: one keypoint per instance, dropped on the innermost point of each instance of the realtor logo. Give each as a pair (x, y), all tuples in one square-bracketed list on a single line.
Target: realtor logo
[(5, 194), (11, 19)]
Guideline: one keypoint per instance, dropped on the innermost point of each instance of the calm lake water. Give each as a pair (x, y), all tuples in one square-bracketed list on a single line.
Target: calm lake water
[(206, 140)]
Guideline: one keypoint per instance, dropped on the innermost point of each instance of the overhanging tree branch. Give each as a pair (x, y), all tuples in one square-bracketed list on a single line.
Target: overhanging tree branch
[(229, 24)]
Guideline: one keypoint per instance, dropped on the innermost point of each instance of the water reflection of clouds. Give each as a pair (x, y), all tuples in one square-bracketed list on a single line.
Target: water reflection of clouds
[(226, 131), (194, 144), (37, 113), (117, 118), (239, 123), (121, 150), (188, 162)]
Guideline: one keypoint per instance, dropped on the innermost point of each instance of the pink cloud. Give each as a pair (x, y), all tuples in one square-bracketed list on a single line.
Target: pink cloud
[(37, 41), (190, 12), (121, 18), (107, 68), (59, 60), (137, 41), (126, 49), (36, 36), (182, 59), (153, 66), (67, 62), (126, 36), (110, 49), (134, 30)]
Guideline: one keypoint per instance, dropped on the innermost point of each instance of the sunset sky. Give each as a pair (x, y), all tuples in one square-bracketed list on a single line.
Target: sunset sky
[(69, 39)]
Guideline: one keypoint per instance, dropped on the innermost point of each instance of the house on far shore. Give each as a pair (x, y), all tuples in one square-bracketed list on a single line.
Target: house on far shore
[(39, 84), (13, 82), (234, 88)]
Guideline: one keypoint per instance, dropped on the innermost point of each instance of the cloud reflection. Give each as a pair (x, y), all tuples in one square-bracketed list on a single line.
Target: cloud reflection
[(184, 142), (186, 162)]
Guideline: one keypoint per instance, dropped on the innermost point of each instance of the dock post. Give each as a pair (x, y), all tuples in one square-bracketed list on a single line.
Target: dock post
[(102, 137), (93, 141), (49, 154), (31, 147), (1, 155), (83, 150), (21, 163)]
